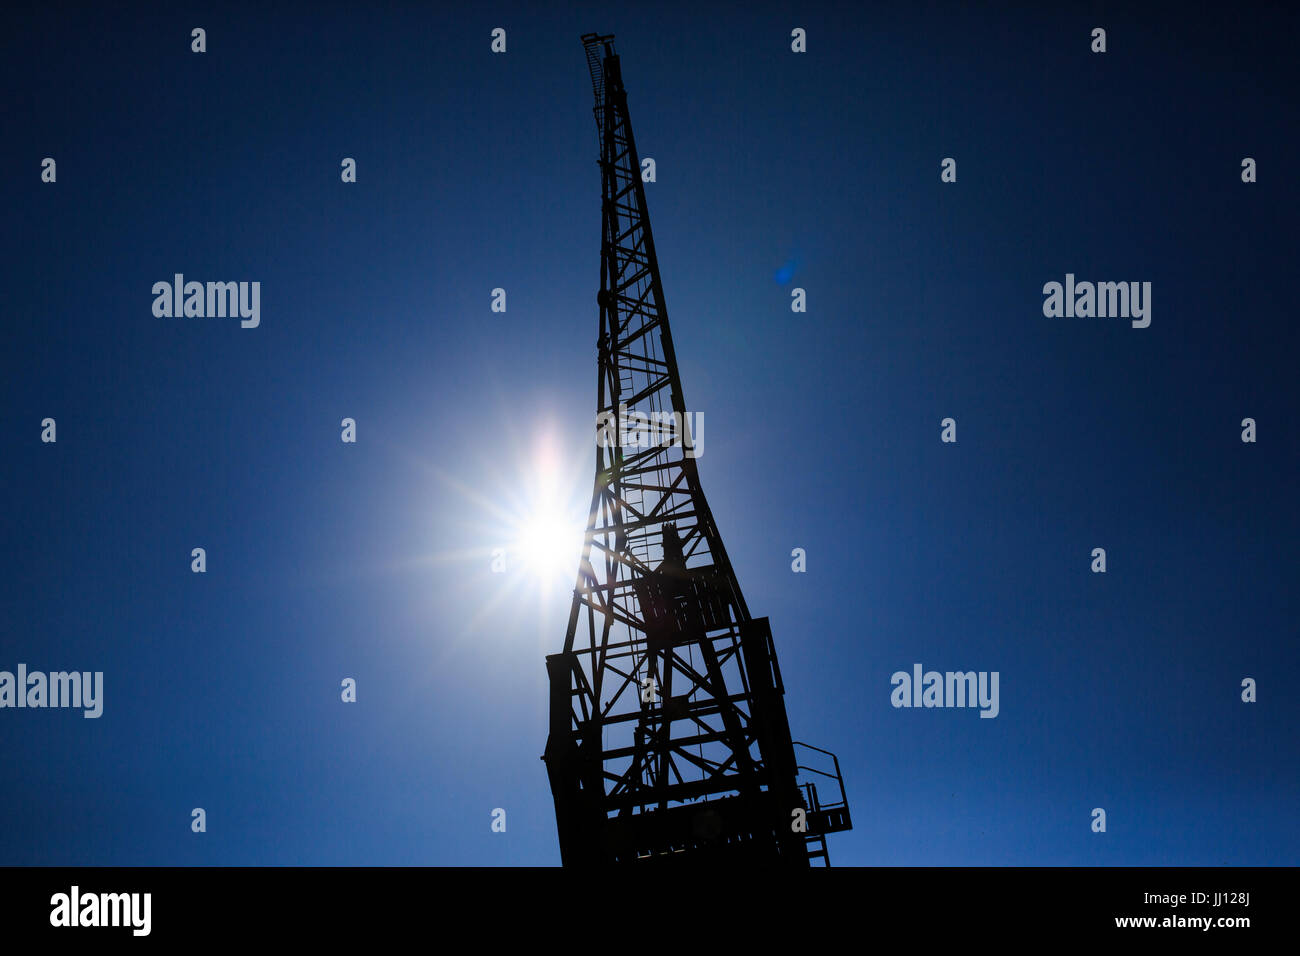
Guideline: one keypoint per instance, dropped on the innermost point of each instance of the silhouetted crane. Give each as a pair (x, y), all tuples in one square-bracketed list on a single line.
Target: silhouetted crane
[(668, 732)]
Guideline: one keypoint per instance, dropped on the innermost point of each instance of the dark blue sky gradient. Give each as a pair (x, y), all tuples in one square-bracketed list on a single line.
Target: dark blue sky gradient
[(475, 171)]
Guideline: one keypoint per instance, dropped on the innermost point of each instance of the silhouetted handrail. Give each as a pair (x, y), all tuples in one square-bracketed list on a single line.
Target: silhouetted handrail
[(837, 776)]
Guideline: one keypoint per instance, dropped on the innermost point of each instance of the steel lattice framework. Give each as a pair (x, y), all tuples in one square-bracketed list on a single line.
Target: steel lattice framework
[(668, 732)]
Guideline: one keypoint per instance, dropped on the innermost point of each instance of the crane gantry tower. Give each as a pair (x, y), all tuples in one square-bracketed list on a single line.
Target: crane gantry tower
[(668, 732)]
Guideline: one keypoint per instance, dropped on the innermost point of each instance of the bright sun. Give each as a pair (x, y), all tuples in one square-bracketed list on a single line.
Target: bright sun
[(548, 521), (549, 545)]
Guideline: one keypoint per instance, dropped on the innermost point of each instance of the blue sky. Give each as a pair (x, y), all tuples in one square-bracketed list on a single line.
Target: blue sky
[(774, 171)]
